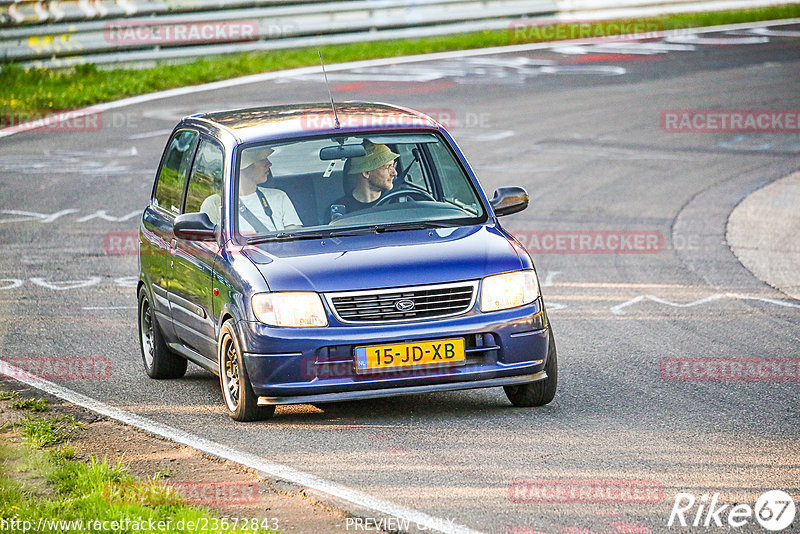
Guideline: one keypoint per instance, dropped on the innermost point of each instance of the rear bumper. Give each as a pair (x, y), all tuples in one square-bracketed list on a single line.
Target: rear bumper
[(303, 365)]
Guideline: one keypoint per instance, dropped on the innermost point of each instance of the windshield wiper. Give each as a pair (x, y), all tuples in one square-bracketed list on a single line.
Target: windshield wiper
[(416, 225), (318, 234), (286, 236), (361, 230)]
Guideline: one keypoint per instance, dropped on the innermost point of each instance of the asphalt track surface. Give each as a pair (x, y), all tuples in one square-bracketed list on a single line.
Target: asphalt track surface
[(580, 129)]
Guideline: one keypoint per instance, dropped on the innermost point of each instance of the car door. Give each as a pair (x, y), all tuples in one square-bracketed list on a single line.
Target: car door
[(156, 234), (193, 261)]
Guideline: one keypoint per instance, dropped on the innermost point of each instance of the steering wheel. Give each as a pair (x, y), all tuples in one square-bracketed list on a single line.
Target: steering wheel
[(411, 193)]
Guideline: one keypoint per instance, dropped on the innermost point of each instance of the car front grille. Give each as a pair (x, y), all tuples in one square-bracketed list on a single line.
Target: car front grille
[(391, 305)]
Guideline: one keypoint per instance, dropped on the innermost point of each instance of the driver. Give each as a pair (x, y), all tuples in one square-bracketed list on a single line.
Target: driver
[(374, 173)]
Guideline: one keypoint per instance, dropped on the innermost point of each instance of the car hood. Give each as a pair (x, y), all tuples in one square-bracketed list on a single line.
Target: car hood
[(383, 260)]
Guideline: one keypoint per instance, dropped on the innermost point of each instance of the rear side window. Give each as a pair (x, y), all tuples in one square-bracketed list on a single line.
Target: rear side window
[(172, 179), (205, 184)]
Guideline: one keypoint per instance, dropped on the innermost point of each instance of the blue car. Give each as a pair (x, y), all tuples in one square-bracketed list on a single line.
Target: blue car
[(309, 254)]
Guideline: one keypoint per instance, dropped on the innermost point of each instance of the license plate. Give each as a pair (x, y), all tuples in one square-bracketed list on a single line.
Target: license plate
[(445, 352)]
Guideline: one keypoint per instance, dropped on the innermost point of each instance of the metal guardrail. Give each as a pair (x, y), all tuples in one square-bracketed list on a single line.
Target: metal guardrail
[(27, 12), (231, 29), (64, 33)]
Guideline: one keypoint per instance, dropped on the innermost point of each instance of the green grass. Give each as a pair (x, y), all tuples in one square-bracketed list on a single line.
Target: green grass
[(34, 93), (37, 405), (44, 484), (40, 432), (8, 395)]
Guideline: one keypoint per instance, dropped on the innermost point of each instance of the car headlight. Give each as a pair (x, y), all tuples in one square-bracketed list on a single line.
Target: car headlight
[(301, 309), (508, 290)]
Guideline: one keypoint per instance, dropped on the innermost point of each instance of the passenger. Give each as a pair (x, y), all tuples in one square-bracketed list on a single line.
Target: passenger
[(261, 209), (375, 173)]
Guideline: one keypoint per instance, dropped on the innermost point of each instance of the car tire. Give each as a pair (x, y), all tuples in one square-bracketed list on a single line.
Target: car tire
[(541, 392), (241, 402), (159, 361)]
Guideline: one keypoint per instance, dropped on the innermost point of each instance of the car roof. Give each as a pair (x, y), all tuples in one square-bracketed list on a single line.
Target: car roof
[(253, 124)]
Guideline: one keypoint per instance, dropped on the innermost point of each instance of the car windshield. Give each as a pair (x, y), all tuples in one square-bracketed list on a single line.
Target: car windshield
[(351, 184)]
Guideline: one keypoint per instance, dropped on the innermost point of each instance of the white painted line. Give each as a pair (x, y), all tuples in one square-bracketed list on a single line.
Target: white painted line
[(68, 284), (258, 78), (775, 33), (30, 215), (627, 48), (606, 70), (716, 41), (660, 47), (101, 214), (13, 283), (355, 76), (271, 469), (618, 309)]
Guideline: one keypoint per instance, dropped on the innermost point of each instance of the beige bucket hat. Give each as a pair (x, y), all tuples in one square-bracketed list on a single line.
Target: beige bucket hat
[(258, 153), (376, 156)]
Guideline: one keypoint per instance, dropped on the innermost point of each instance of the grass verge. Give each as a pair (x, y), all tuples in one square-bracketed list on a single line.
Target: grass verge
[(43, 489), (37, 405), (30, 94)]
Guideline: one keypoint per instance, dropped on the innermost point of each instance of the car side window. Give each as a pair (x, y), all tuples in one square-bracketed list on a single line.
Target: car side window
[(175, 167), (204, 193)]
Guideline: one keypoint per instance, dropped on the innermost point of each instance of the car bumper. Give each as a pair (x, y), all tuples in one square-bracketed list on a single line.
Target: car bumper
[(403, 390), (292, 366)]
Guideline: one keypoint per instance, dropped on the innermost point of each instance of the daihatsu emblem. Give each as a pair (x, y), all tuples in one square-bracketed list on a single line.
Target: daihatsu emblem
[(404, 305)]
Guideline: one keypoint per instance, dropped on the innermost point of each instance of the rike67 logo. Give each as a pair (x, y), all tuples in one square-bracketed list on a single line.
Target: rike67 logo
[(774, 510)]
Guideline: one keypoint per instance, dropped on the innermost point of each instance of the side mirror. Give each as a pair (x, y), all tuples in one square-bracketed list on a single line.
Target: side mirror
[(508, 200), (194, 227)]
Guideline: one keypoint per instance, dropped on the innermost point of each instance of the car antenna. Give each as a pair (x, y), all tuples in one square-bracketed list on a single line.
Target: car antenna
[(333, 106)]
